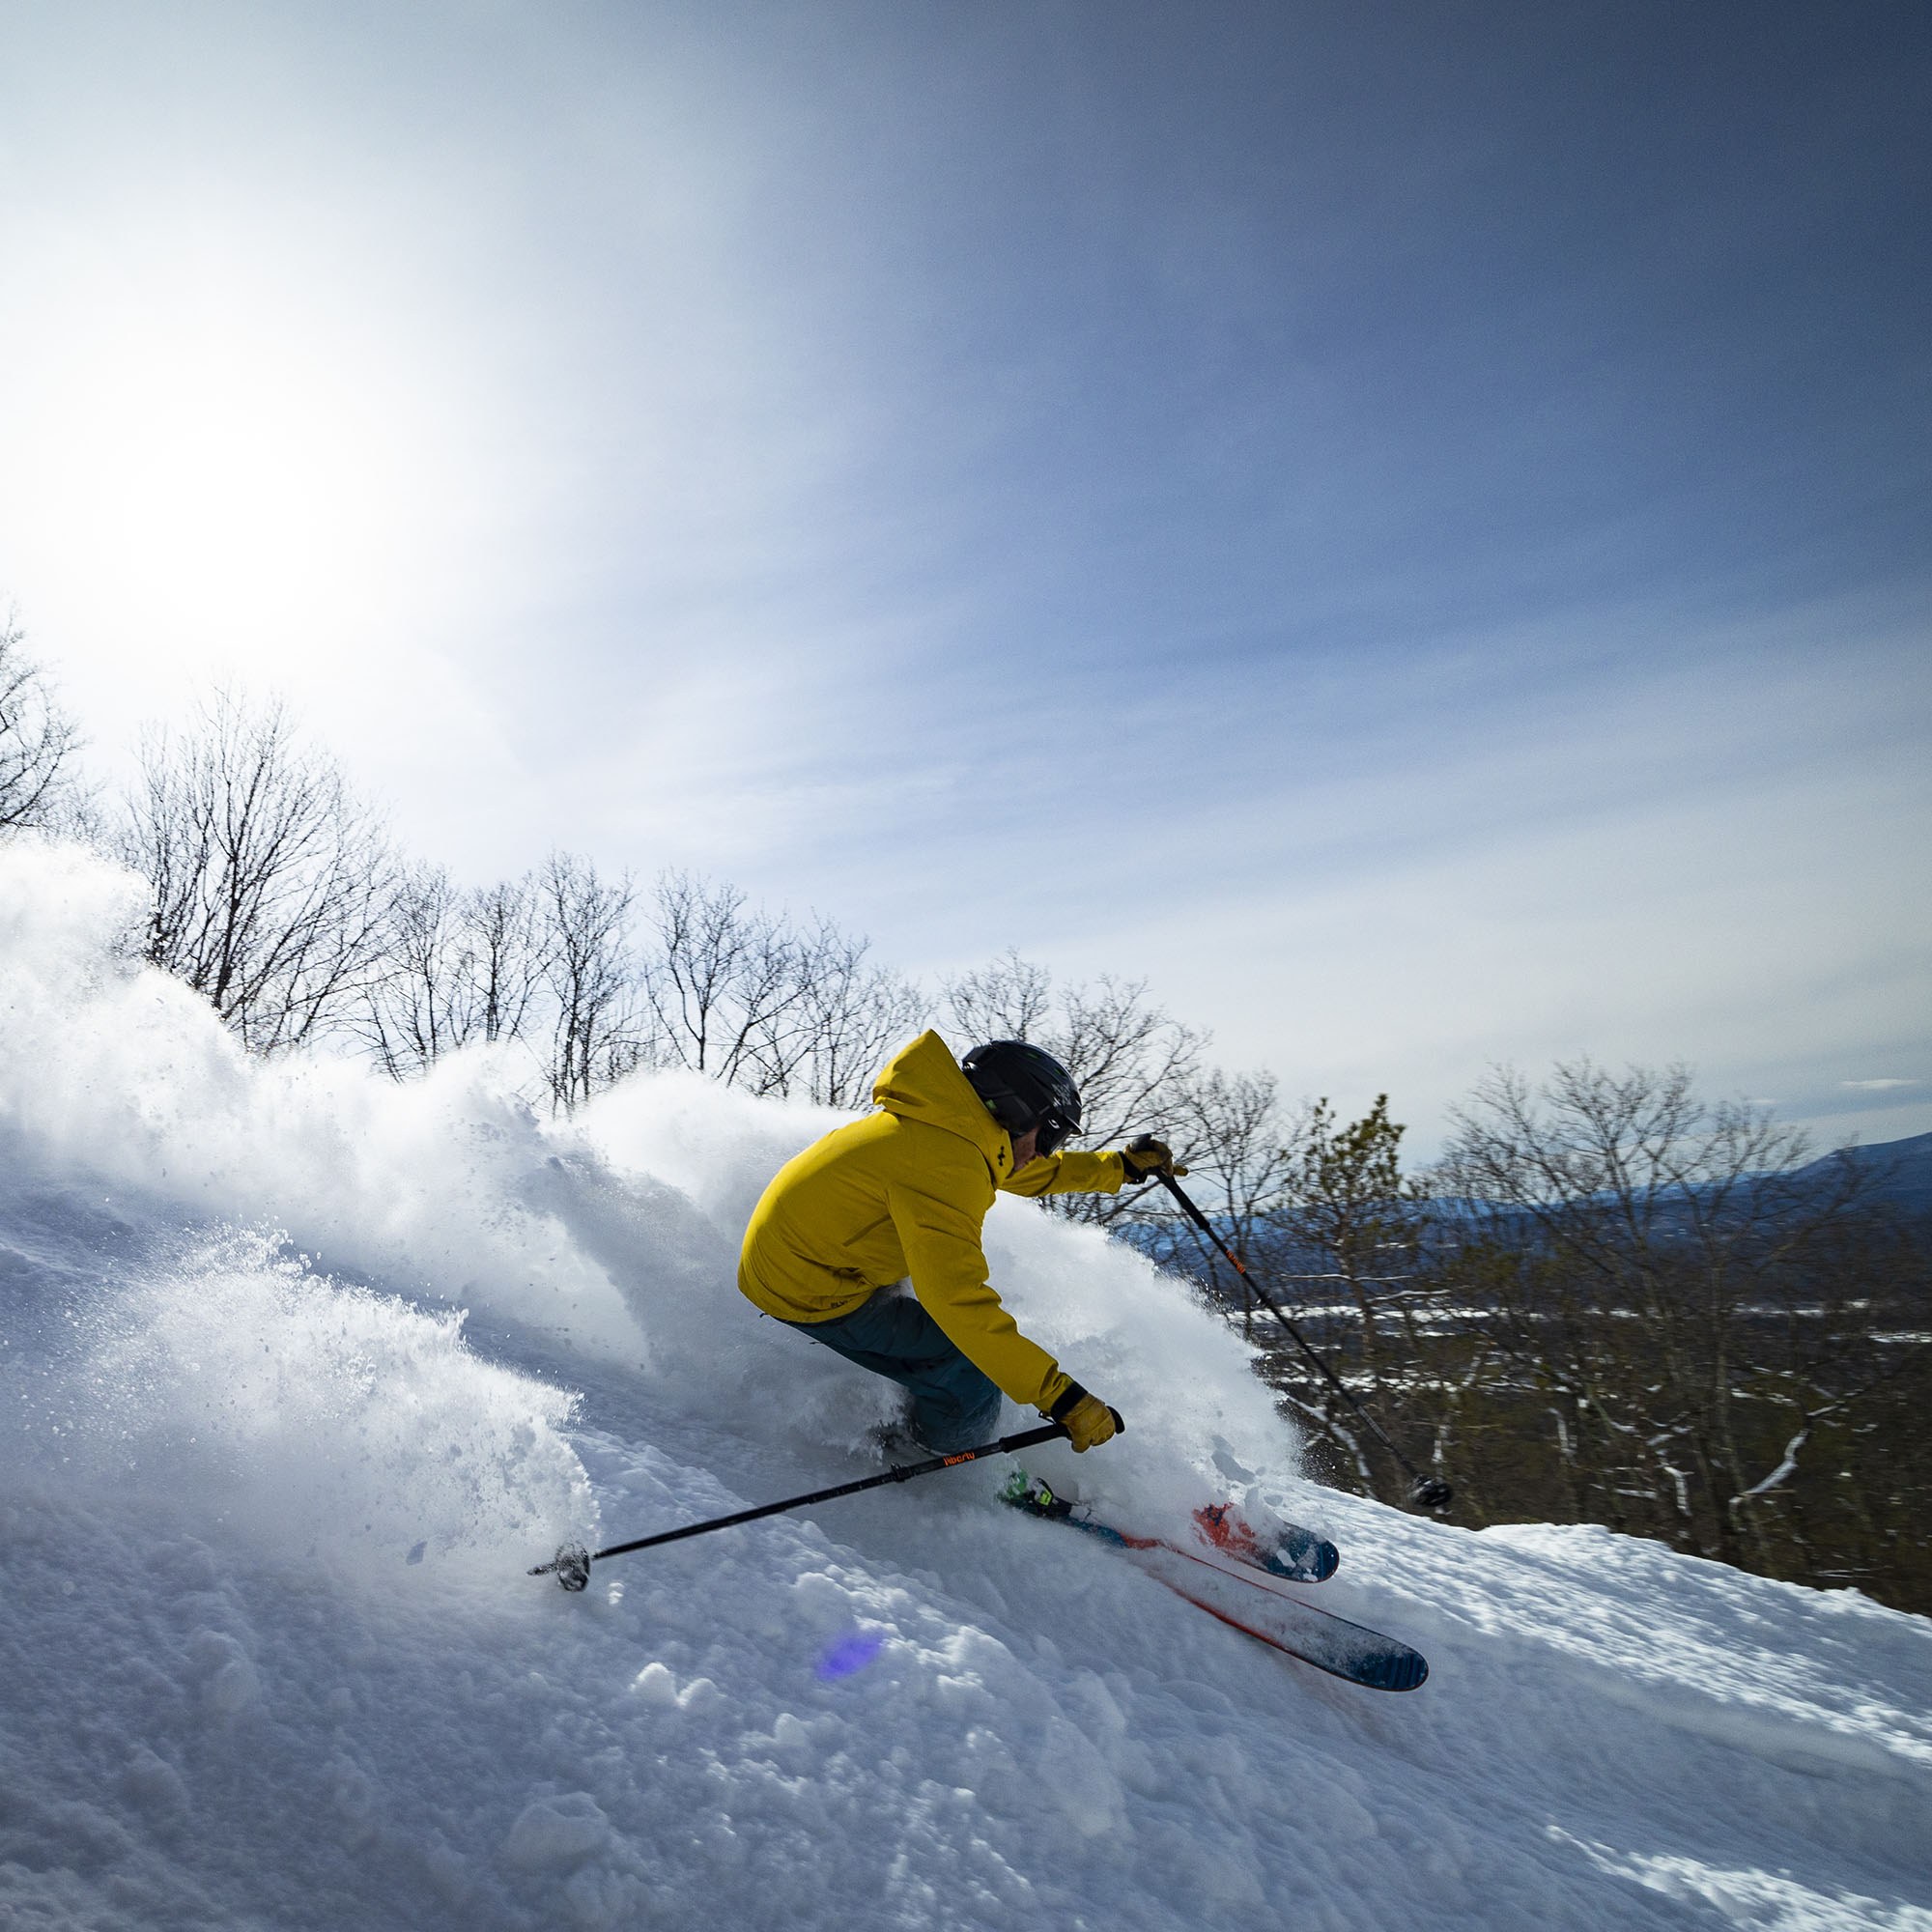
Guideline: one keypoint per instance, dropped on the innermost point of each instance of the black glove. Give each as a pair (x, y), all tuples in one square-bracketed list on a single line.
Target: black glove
[(1144, 1157)]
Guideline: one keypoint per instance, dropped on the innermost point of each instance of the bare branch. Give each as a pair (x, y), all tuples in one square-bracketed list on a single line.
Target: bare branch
[(38, 744), (593, 979), (269, 880)]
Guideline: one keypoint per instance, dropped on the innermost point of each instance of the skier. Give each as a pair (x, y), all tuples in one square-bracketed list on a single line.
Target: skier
[(902, 1194), (899, 1199)]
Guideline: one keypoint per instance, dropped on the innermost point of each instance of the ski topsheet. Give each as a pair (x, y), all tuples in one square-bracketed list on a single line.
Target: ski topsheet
[(1282, 1549), (1243, 1601)]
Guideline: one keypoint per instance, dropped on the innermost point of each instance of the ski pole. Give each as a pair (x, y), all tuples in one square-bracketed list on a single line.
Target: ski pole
[(1424, 1491), (571, 1562)]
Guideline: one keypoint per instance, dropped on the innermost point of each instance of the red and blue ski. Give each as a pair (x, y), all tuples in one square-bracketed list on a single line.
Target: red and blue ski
[(1283, 1549), (1240, 1597)]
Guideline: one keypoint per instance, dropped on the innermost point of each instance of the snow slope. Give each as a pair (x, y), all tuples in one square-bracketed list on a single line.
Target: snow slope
[(269, 1656)]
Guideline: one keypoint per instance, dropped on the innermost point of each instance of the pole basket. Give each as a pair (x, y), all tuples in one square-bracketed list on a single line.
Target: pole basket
[(571, 1565)]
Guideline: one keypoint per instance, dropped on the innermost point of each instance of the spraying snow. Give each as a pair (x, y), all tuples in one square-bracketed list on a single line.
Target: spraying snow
[(302, 1369), (314, 1420)]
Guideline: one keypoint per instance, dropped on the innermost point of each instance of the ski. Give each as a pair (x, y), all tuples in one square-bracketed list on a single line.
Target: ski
[(1277, 1549), (1283, 1549), (1244, 1601)]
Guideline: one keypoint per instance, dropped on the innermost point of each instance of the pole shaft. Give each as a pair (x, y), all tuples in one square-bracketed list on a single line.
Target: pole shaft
[(1334, 1382), (905, 1473)]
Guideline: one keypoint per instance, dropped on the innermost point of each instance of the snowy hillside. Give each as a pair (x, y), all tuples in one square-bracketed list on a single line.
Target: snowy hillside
[(269, 1657)]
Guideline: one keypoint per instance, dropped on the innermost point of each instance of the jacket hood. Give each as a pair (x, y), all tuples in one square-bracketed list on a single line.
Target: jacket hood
[(923, 1082)]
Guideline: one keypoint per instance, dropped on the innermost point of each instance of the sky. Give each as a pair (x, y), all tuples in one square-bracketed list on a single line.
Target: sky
[(1405, 526)]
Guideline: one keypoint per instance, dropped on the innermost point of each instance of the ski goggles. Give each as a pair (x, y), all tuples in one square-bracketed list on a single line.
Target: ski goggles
[(1052, 1131)]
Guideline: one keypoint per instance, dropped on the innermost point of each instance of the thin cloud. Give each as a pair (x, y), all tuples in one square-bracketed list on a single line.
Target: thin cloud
[(1276, 519)]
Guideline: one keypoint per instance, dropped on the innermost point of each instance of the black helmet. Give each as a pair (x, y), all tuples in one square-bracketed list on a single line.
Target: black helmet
[(1024, 1086)]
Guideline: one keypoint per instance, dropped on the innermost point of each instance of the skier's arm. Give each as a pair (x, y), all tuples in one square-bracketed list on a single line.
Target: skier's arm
[(1141, 1159), (949, 1272), (1072, 1173)]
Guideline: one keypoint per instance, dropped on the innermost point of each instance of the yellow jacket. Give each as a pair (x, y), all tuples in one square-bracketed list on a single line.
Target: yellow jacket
[(906, 1192)]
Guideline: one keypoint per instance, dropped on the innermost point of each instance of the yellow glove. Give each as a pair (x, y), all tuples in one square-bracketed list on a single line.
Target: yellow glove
[(1087, 1420), (1144, 1157)]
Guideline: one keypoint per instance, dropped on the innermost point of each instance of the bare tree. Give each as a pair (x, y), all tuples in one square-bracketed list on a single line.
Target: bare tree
[(593, 979), (726, 989), (850, 1015), (457, 967), (1132, 1059), (38, 744), (1129, 1058), (1228, 1131), (731, 991), (269, 880), (1660, 1275), (507, 957), (1010, 998), (406, 1019)]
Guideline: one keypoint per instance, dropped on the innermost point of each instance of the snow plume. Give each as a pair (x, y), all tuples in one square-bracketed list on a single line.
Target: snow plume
[(615, 1233), (235, 1391), (1178, 1373), (112, 1070)]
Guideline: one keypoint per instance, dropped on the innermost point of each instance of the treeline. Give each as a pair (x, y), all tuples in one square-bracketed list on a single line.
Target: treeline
[(1610, 1301), (278, 893)]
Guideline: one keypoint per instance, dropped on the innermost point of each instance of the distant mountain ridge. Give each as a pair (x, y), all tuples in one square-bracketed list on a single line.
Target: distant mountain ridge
[(1905, 1167)]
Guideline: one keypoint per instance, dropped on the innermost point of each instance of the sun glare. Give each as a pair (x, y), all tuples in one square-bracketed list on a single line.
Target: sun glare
[(228, 456), (231, 455)]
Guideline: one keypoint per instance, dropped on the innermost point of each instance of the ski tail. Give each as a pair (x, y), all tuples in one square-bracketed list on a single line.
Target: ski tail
[(1344, 1649)]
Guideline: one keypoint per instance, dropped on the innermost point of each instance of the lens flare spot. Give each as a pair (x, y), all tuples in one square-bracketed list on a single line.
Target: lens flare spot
[(851, 1653)]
